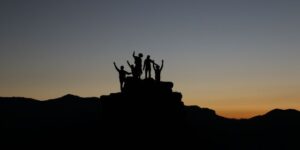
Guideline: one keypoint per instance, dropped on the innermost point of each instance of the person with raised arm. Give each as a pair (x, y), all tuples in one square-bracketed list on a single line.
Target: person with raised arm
[(122, 75), (138, 63), (157, 70), (134, 70), (147, 67)]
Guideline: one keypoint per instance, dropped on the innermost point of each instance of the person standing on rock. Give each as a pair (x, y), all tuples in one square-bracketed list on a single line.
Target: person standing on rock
[(138, 64), (147, 67), (157, 70), (122, 75), (134, 70)]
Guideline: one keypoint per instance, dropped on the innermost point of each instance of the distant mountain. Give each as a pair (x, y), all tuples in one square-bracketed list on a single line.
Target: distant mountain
[(148, 113)]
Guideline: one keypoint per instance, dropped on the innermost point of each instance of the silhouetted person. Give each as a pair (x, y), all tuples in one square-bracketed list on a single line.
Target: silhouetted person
[(134, 70), (138, 63), (122, 75), (147, 67), (157, 70)]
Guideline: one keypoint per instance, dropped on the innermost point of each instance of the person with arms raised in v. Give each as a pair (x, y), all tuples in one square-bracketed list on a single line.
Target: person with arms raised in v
[(157, 70)]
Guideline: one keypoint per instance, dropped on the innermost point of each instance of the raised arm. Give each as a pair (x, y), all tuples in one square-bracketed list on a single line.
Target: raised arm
[(162, 64), (128, 63), (133, 54), (116, 66)]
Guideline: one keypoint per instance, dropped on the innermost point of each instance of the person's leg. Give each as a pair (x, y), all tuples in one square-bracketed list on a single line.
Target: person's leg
[(146, 76), (140, 72), (146, 73), (121, 82)]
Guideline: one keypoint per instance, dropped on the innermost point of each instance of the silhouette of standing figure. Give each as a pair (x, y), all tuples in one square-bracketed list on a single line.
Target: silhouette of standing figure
[(147, 67), (122, 75), (134, 70), (157, 70), (138, 64)]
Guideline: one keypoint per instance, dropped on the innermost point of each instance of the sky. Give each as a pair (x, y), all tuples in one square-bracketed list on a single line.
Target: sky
[(238, 57)]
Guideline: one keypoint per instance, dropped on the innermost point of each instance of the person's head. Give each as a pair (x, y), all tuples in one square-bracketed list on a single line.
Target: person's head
[(156, 66), (148, 56), (140, 55), (122, 67)]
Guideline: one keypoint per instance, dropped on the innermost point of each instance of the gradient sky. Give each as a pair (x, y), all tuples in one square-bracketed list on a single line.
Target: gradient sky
[(240, 58)]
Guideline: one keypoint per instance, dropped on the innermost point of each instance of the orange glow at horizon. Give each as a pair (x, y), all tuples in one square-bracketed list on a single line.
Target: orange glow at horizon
[(240, 59)]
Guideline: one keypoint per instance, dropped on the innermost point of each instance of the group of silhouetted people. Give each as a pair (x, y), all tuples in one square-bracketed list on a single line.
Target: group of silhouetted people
[(137, 69)]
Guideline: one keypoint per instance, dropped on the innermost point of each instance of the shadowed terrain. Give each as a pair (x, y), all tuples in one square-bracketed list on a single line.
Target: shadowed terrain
[(147, 112)]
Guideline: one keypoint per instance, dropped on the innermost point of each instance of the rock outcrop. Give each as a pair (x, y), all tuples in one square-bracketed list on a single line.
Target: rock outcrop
[(144, 109)]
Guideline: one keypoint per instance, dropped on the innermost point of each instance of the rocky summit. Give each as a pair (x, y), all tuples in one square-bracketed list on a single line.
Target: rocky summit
[(144, 109)]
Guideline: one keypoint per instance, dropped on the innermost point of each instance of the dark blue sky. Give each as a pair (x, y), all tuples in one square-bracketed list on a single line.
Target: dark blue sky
[(232, 56)]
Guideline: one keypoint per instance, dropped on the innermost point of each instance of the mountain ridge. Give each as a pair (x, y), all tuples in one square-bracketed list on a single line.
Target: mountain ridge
[(74, 97), (145, 112)]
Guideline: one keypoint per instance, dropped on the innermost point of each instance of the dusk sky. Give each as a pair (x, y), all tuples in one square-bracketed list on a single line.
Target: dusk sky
[(238, 57)]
